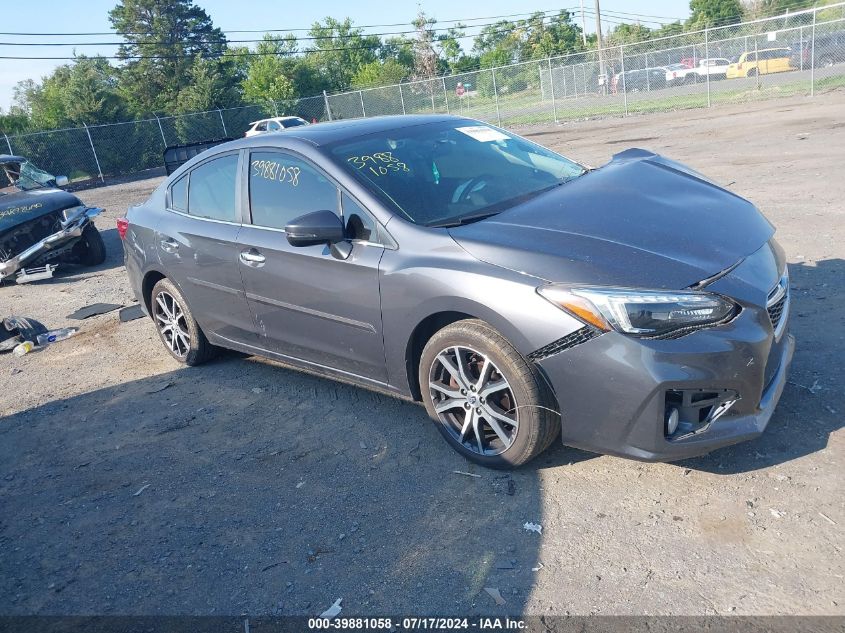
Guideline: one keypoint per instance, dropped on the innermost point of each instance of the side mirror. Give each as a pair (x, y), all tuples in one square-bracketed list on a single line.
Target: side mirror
[(61, 181), (318, 227)]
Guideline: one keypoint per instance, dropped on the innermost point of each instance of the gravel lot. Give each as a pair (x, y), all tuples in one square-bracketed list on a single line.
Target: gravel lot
[(131, 485)]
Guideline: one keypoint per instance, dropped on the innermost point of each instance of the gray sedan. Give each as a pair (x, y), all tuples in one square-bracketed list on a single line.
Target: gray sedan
[(636, 309)]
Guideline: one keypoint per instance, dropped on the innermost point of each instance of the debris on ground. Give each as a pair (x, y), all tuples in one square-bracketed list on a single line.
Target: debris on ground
[(141, 489), (54, 336), (130, 313), (777, 513), (466, 474), (533, 527), (494, 593), (504, 564), (17, 330), (23, 348), (827, 518), (538, 567), (93, 310), (511, 487), (333, 610)]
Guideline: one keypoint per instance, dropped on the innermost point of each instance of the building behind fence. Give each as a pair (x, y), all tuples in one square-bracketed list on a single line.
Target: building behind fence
[(576, 86)]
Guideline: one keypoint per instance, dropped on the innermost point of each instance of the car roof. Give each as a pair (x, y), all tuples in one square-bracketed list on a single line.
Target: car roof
[(277, 118), (331, 131), (9, 158)]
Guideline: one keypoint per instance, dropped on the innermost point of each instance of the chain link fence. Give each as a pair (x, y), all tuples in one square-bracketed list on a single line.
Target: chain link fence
[(798, 53)]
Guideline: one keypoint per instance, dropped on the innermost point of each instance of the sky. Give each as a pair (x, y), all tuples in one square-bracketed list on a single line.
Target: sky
[(67, 16)]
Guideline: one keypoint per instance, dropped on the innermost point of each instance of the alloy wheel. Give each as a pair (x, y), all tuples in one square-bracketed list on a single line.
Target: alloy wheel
[(172, 324), (473, 400)]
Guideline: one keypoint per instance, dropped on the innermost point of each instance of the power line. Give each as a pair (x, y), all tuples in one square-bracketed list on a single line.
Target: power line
[(250, 41), (293, 30)]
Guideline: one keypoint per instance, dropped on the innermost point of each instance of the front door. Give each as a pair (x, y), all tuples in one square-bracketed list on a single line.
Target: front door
[(197, 246), (307, 303)]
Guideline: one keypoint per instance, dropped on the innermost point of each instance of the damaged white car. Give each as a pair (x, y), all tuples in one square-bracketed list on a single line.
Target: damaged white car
[(42, 226)]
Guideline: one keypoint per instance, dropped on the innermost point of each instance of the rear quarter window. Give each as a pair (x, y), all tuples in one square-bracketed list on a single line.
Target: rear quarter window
[(179, 195)]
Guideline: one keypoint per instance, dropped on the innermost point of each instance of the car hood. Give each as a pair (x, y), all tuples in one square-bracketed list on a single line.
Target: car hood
[(21, 206), (640, 221)]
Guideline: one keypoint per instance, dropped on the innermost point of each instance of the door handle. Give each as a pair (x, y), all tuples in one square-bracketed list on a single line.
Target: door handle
[(169, 245), (252, 257)]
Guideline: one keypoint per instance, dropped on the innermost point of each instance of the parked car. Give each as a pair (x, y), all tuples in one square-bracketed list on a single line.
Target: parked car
[(642, 80), (715, 67), (830, 50), (276, 124), (637, 309), (42, 226), (762, 62)]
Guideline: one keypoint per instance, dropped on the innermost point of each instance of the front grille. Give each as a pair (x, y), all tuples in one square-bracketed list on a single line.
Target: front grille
[(570, 340), (776, 311)]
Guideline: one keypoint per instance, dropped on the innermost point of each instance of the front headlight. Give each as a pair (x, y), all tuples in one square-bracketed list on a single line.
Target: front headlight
[(647, 313)]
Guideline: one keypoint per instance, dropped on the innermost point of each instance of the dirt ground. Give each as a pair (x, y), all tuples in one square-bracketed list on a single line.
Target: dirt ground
[(131, 485)]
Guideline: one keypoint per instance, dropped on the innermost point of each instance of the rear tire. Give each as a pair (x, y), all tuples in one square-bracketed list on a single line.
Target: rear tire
[(178, 330), (494, 408), (752, 72), (94, 252)]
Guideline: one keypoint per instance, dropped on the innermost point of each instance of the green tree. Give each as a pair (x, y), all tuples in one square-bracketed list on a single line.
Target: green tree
[(339, 50), (713, 12), (169, 35), (379, 73), (450, 45), (210, 86), (267, 79)]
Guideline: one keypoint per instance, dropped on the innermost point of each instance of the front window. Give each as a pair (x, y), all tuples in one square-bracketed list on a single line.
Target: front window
[(441, 174), (283, 187)]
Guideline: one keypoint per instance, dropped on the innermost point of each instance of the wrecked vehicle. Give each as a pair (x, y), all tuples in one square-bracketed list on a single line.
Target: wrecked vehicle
[(42, 226)]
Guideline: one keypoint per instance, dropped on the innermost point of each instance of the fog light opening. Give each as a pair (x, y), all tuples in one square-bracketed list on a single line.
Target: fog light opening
[(673, 418)]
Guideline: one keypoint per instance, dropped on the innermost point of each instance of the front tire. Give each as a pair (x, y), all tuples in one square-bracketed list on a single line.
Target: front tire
[(178, 330), (487, 400), (94, 252)]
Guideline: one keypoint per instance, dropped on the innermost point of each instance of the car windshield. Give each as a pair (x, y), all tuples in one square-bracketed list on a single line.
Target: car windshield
[(442, 174), (26, 176)]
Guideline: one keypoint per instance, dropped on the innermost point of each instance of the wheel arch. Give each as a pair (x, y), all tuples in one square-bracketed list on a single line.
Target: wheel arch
[(151, 278)]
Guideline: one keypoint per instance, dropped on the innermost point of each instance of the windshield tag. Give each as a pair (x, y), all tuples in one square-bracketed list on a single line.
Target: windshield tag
[(483, 133)]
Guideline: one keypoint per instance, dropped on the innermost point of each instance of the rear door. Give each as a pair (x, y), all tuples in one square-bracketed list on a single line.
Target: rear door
[(307, 303), (197, 246)]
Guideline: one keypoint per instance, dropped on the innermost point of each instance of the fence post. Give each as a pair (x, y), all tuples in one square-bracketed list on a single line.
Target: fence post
[(552, 86), (624, 84), (402, 98), (275, 108), (431, 89), (8, 144), (496, 95), (222, 122), (445, 95), (575, 81), (96, 160), (328, 109), (361, 95), (707, 68), (813, 58), (161, 129), (757, 67)]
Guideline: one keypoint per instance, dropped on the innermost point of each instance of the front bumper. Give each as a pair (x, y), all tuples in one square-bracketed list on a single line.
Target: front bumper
[(71, 229), (612, 389)]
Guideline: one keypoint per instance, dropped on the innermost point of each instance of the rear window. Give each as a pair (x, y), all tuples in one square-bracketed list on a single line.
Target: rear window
[(294, 122)]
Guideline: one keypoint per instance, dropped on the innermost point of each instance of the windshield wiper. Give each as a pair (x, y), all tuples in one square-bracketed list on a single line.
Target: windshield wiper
[(467, 219)]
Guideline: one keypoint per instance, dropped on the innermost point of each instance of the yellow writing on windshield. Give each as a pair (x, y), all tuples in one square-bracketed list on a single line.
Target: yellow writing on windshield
[(379, 164)]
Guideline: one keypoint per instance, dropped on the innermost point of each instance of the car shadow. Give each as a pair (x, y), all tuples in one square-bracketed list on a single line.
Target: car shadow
[(243, 487)]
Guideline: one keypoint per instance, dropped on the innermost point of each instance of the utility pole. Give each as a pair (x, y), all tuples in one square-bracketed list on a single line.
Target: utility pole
[(583, 25), (598, 40)]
